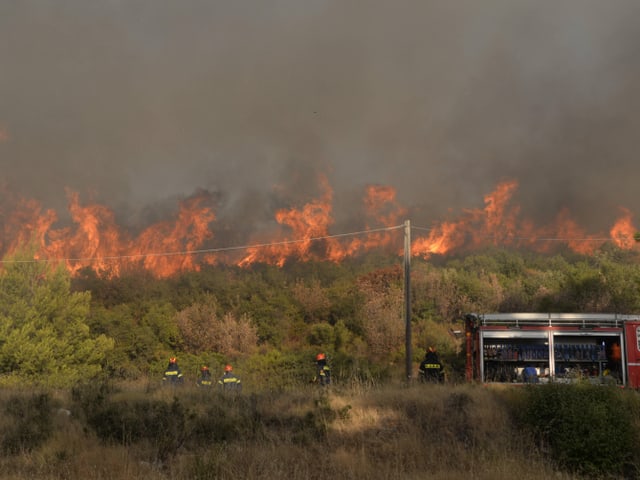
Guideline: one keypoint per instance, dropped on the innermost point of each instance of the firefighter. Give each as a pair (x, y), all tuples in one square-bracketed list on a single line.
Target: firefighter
[(431, 369), (173, 374), (616, 353), (323, 372), (529, 374), (229, 382), (205, 377), (615, 361)]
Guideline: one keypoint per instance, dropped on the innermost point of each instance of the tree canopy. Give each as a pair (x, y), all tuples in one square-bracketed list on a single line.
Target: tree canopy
[(44, 337), (61, 328)]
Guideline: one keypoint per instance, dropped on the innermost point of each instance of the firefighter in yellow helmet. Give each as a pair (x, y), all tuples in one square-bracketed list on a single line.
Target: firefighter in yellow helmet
[(323, 372), (205, 379), (229, 382)]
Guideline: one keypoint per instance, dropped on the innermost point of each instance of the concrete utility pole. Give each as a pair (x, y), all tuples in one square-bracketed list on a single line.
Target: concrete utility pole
[(407, 297)]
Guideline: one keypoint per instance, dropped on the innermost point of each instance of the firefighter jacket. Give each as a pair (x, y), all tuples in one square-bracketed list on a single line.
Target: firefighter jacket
[(205, 379), (431, 368), (323, 373), (229, 382), (173, 374)]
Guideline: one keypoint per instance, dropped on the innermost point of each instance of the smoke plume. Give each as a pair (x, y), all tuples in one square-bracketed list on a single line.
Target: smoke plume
[(136, 105)]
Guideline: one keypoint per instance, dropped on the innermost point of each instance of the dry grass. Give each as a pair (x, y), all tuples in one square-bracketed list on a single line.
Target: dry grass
[(394, 432)]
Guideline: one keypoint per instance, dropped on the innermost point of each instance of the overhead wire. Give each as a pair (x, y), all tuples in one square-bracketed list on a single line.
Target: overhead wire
[(206, 250), (279, 243), (542, 239)]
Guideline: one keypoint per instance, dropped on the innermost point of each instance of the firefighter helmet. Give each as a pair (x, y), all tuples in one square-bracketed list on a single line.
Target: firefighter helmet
[(173, 360), (228, 368), (320, 356), (204, 368)]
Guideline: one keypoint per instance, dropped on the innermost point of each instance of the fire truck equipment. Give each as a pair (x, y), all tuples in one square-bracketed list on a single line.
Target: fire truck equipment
[(569, 346)]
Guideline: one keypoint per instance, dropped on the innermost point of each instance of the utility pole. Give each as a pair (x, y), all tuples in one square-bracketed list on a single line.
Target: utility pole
[(407, 297)]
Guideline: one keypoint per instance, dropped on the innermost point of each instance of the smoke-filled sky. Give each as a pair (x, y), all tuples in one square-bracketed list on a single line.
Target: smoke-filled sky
[(137, 103)]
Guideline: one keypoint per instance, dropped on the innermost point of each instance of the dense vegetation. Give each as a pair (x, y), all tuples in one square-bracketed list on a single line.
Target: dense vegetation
[(270, 321), (84, 358)]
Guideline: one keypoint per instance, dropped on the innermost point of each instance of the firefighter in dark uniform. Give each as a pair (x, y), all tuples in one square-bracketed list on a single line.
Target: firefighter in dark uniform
[(229, 382), (205, 379), (173, 374), (615, 361), (530, 374), (323, 372), (431, 369)]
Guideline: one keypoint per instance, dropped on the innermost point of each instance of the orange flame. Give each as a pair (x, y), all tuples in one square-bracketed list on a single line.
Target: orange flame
[(622, 232), (498, 224), (302, 233), (312, 221), (98, 242), (494, 224), (309, 226)]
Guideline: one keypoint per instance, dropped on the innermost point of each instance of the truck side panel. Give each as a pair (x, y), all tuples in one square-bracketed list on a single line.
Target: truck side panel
[(632, 352)]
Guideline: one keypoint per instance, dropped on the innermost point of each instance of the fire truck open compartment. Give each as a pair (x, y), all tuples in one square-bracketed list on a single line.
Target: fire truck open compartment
[(561, 347)]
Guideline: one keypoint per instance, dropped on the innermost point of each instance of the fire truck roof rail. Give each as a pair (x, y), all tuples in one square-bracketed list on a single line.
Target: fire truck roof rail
[(585, 320)]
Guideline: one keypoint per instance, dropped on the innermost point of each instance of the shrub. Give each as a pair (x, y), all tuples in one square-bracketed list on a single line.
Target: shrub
[(164, 426), (203, 329), (589, 430), (226, 419), (27, 423), (278, 371)]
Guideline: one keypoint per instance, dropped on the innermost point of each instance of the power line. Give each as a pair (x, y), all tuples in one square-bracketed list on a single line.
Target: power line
[(206, 250), (542, 239), (281, 243)]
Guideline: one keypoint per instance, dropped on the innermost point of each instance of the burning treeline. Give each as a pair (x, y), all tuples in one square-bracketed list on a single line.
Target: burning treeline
[(187, 241)]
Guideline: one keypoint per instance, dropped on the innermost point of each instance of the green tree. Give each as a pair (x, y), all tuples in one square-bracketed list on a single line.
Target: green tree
[(44, 337)]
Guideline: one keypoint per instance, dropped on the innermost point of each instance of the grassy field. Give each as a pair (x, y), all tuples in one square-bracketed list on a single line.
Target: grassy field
[(390, 432)]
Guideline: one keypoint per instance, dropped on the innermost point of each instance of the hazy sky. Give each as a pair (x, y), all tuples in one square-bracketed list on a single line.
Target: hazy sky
[(136, 103)]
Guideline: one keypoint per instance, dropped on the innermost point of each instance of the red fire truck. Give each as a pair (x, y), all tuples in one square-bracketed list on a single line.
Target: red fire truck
[(561, 347)]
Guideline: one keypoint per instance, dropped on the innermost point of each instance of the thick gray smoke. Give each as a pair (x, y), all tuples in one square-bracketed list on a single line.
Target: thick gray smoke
[(135, 104)]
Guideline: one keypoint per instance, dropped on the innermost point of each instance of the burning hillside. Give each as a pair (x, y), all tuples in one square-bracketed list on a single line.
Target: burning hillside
[(188, 240), (499, 223)]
